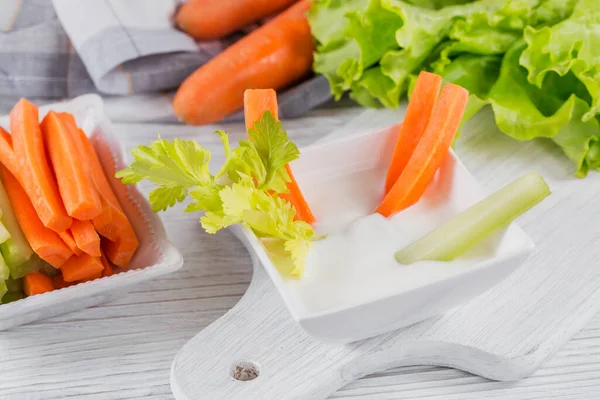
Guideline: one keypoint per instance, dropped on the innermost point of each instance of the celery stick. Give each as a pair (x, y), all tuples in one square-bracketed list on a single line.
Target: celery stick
[(4, 270), (14, 291), (4, 234), (3, 291), (474, 224), (14, 285), (9, 297), (15, 250), (34, 264)]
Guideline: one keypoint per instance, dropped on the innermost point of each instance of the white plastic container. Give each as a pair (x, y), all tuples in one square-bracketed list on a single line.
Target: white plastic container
[(414, 292), (155, 256)]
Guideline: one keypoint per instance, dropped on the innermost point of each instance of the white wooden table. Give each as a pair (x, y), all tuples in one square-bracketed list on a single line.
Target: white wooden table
[(124, 349)]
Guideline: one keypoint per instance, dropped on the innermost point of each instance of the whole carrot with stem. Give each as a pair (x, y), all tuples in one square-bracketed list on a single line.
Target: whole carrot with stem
[(214, 19), (273, 56)]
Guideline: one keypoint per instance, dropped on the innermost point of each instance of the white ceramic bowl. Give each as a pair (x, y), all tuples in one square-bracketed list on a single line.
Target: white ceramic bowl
[(156, 256), (418, 295)]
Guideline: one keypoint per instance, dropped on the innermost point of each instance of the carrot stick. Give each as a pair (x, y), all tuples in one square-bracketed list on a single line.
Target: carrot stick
[(37, 283), (7, 154), (121, 251), (214, 19), (86, 237), (112, 223), (35, 172), (67, 237), (81, 267), (273, 56), (112, 219), (108, 269), (256, 102), (77, 190), (97, 275), (45, 242), (429, 153), (59, 282), (417, 116)]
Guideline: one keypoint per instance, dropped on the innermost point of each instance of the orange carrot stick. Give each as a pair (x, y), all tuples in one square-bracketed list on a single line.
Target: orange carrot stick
[(37, 283), (415, 121), (59, 282), (112, 219), (97, 275), (256, 102), (273, 56), (429, 153), (35, 172), (121, 251), (108, 269), (78, 193), (7, 154), (86, 237), (112, 223), (67, 237), (45, 242), (81, 267), (214, 19)]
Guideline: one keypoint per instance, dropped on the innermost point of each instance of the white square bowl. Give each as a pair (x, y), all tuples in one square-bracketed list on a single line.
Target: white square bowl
[(155, 256), (415, 292)]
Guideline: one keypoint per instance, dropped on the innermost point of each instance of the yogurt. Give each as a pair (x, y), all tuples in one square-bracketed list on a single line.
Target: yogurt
[(355, 263)]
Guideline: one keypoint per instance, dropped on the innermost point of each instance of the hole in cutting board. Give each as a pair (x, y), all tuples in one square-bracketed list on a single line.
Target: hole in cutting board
[(245, 371)]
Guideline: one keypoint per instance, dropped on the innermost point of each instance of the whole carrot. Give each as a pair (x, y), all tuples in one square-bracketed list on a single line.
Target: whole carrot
[(214, 19), (273, 56)]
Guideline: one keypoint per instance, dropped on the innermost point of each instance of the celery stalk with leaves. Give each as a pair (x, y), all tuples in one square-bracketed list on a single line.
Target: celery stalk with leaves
[(244, 190)]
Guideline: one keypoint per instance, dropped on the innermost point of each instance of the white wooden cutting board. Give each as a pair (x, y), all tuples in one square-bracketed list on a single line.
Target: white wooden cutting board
[(505, 334)]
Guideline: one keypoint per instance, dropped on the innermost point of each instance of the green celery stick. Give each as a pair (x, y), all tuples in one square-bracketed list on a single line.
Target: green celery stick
[(14, 291), (3, 291), (16, 250), (4, 271), (14, 285), (4, 234), (34, 264), (477, 222), (9, 297)]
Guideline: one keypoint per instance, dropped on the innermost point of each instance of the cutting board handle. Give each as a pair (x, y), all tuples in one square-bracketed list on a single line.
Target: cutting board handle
[(255, 351)]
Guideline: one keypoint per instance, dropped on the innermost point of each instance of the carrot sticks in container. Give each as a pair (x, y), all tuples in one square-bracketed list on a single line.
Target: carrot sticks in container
[(61, 200)]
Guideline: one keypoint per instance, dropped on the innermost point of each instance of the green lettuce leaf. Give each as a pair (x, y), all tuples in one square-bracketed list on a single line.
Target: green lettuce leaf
[(244, 190), (525, 111), (570, 46)]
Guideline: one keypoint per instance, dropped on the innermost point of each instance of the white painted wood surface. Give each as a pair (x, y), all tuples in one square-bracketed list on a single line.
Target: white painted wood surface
[(123, 350)]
